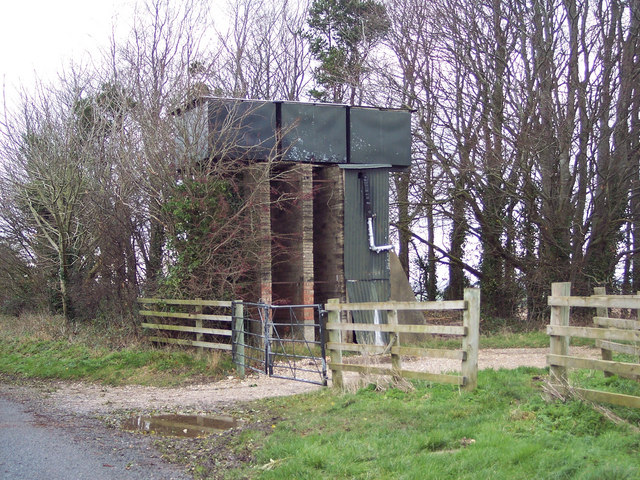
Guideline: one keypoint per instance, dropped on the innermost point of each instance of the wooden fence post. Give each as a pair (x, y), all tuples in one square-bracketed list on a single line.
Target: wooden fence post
[(394, 341), (559, 316), (638, 319), (238, 338), (471, 341), (335, 336), (199, 336), (603, 312)]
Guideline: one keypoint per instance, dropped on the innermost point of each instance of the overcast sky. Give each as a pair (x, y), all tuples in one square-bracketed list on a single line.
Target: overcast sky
[(39, 37)]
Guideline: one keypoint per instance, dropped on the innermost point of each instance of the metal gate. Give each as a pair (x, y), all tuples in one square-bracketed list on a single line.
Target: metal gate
[(282, 341)]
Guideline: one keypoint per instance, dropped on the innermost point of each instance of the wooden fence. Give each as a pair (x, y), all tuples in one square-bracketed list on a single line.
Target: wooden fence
[(604, 319), (609, 335), (468, 332), (191, 327)]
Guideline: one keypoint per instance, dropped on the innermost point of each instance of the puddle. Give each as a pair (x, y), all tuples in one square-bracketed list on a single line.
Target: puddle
[(179, 425)]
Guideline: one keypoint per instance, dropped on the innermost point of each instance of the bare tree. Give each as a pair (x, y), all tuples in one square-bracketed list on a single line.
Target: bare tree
[(265, 54), (158, 69), (44, 178), (528, 111)]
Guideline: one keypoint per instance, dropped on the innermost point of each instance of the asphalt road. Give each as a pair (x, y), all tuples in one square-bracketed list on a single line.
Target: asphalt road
[(34, 446)]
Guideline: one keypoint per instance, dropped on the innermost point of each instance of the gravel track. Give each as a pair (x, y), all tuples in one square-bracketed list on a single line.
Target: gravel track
[(91, 399)]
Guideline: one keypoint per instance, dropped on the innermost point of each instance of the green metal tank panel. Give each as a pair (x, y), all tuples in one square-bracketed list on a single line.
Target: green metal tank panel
[(248, 126), (380, 136), (310, 132), (314, 132)]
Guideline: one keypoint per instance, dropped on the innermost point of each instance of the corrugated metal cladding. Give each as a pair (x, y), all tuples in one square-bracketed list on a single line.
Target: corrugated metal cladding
[(360, 262), (366, 272)]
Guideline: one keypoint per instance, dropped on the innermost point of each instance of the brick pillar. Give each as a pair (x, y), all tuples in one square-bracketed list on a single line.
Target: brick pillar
[(329, 234), (258, 193), (306, 210)]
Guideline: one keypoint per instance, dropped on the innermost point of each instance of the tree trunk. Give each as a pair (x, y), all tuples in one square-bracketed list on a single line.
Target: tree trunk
[(456, 286), (156, 250), (404, 221)]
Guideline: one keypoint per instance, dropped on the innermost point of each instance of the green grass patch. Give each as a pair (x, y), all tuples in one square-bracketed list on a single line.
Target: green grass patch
[(40, 347), (56, 359), (503, 430), (506, 339)]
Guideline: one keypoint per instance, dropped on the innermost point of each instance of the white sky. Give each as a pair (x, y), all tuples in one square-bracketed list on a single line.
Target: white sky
[(40, 37)]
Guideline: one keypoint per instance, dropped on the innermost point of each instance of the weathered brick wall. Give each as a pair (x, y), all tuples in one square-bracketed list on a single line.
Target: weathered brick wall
[(328, 234), (257, 191), (300, 215), (292, 242), (288, 234)]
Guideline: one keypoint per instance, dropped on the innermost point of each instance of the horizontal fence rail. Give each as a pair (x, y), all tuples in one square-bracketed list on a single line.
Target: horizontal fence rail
[(420, 306), (190, 328), (468, 333), (595, 301), (431, 329), (610, 334)]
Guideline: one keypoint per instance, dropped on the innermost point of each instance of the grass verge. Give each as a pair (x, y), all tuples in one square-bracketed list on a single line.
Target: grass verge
[(39, 348), (503, 430)]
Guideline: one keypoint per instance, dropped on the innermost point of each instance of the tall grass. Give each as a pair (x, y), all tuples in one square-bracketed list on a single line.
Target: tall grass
[(43, 346), (101, 332)]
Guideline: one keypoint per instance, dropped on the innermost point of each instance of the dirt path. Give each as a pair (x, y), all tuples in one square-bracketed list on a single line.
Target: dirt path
[(90, 399)]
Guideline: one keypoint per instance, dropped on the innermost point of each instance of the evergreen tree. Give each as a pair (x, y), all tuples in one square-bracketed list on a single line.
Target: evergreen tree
[(341, 34)]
